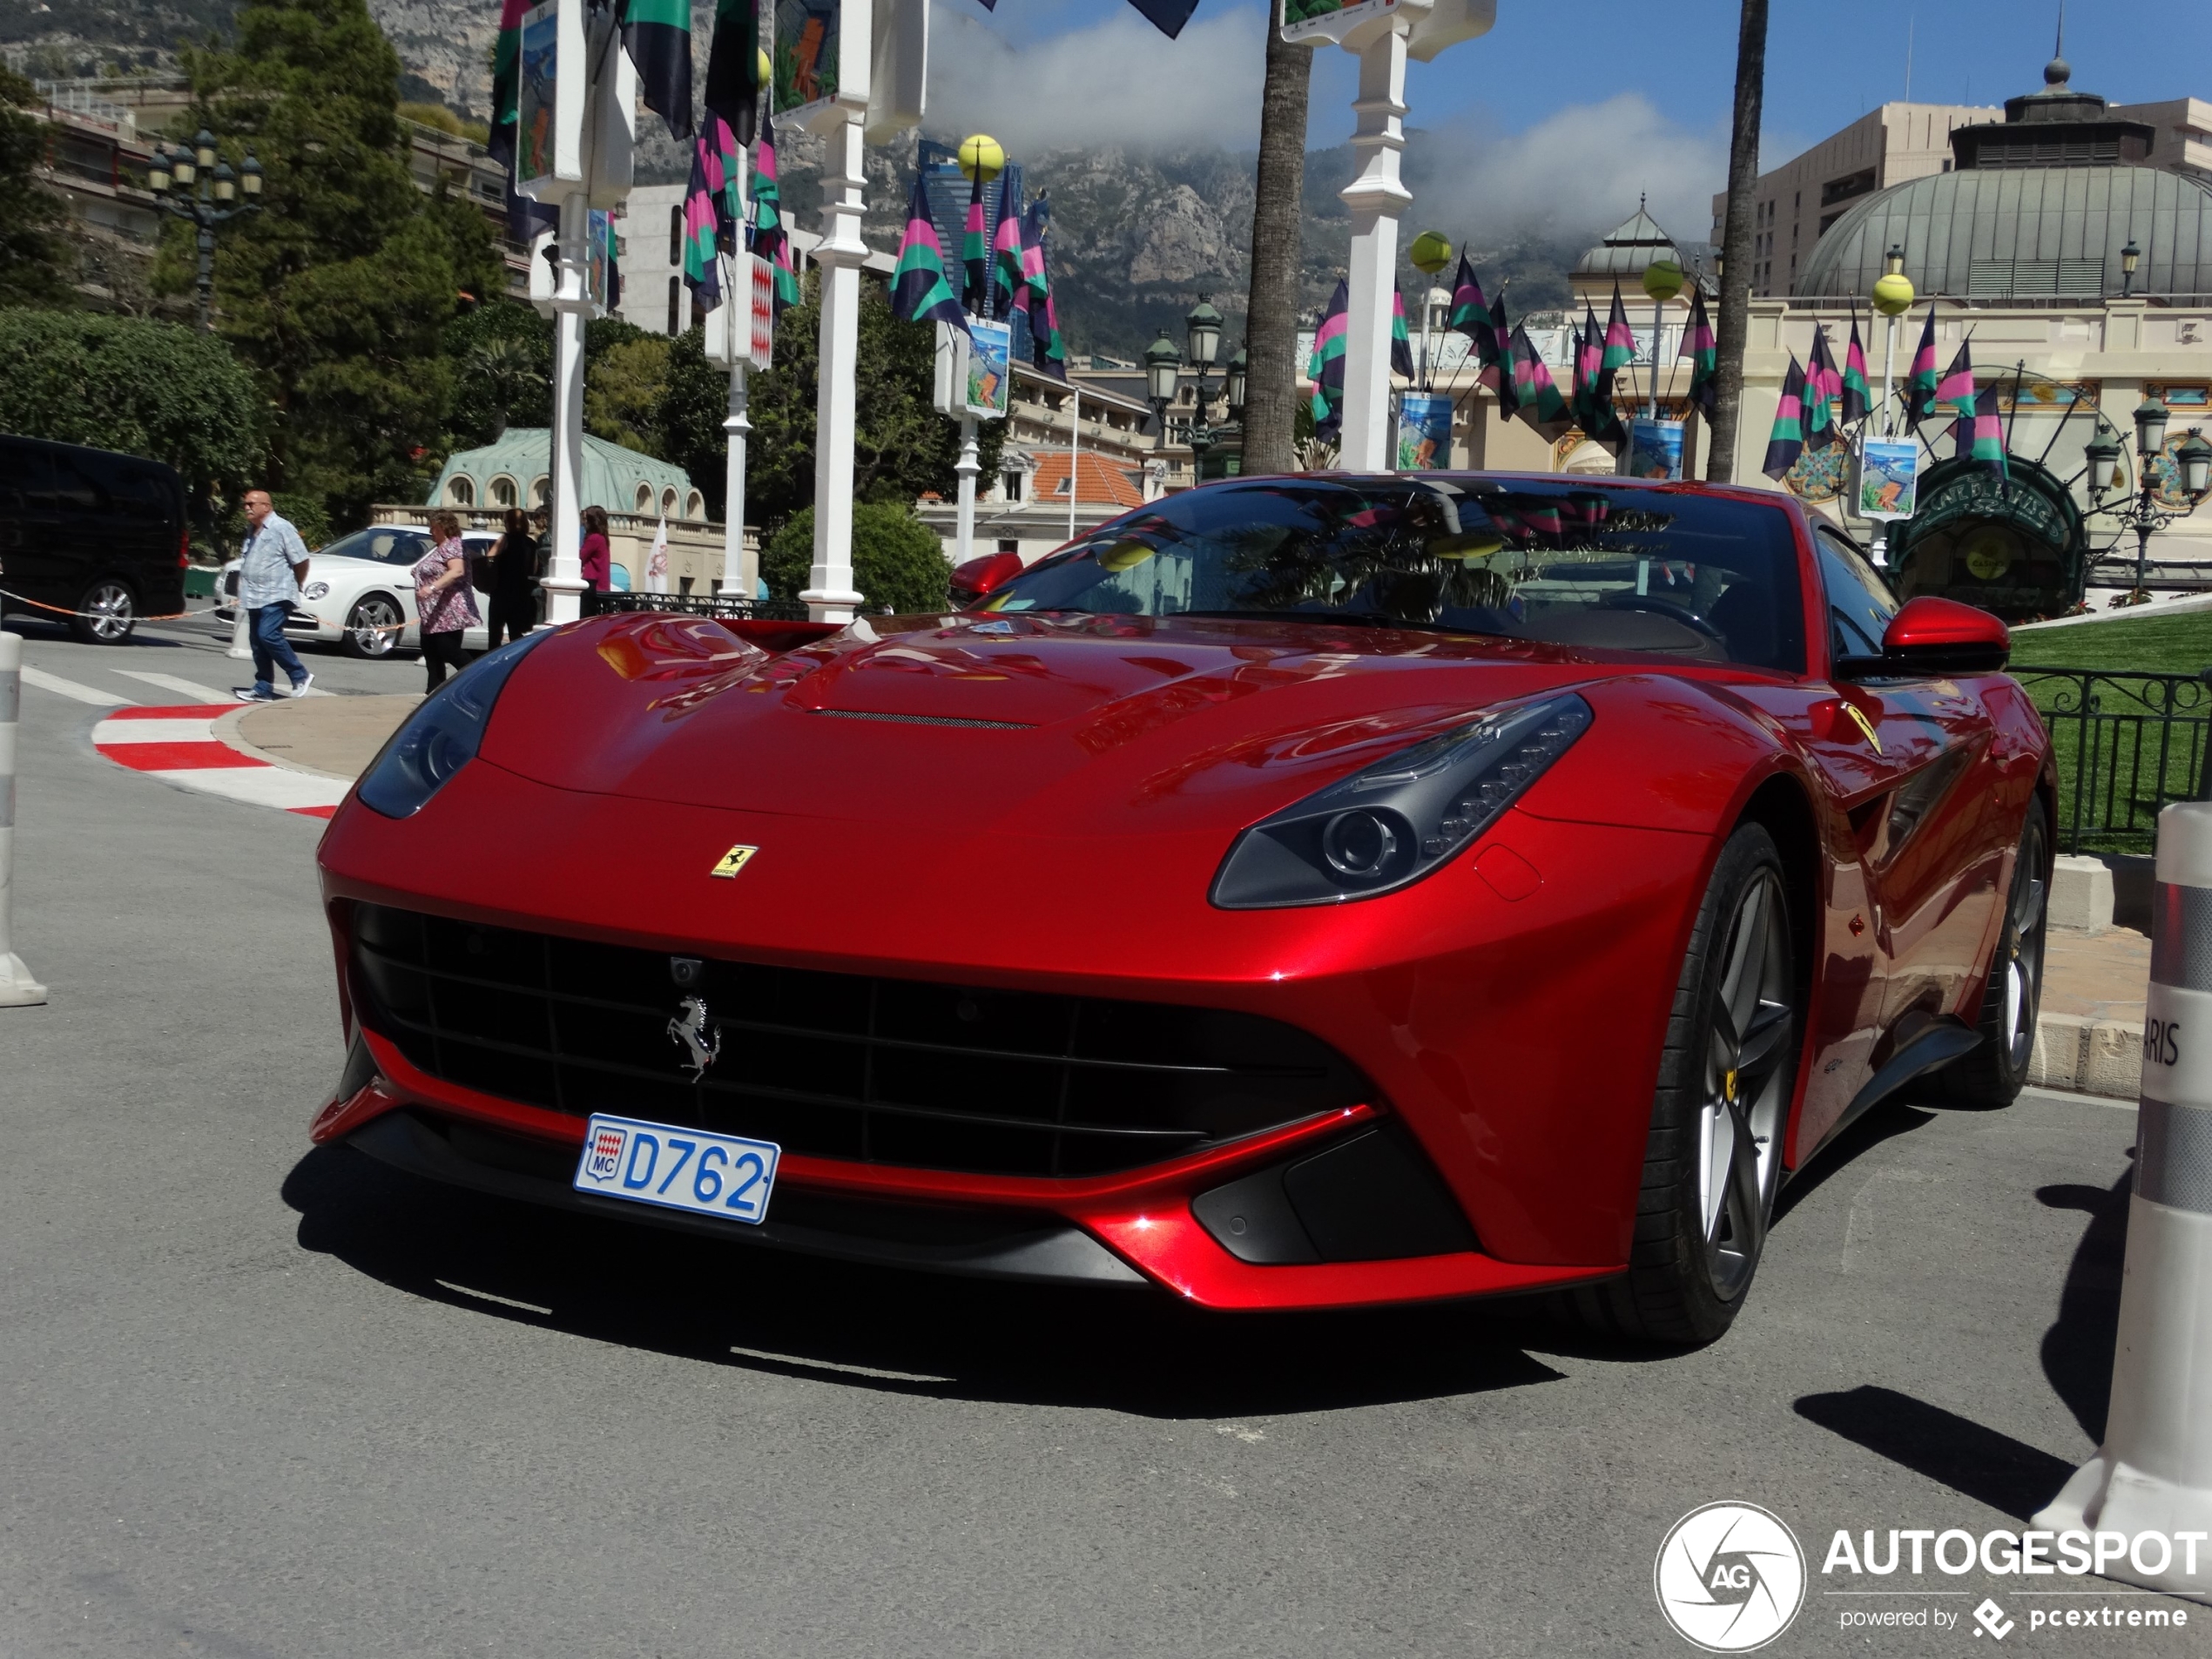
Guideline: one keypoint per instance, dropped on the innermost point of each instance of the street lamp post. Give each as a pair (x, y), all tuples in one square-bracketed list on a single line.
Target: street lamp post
[(1163, 370), (2143, 515), (1892, 297), (2130, 256), (203, 191)]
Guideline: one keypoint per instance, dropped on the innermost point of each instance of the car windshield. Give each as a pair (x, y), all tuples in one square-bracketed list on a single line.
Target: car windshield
[(379, 544), (1576, 564)]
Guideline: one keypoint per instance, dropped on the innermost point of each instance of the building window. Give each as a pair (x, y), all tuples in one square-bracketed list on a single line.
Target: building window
[(675, 304), (668, 504), (538, 490), (675, 238), (683, 584), (1012, 485), (460, 493), (644, 498), (503, 491), (695, 505), (1006, 546)]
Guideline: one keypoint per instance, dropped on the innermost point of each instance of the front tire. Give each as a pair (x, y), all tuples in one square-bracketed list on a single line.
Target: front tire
[(107, 613), (1727, 1073), (372, 627), (1995, 1074)]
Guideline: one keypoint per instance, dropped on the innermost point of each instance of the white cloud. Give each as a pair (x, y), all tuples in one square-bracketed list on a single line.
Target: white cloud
[(1118, 81), (1580, 169)]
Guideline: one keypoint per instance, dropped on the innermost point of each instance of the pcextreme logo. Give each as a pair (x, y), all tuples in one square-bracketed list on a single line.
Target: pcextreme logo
[(1729, 1577)]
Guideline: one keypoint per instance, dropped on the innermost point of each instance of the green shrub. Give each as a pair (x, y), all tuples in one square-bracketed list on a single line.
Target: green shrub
[(898, 564)]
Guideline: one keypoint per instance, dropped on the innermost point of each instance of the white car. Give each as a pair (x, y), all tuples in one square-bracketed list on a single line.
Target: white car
[(357, 595)]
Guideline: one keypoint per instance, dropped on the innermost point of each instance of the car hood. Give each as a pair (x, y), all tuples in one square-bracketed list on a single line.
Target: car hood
[(1066, 725)]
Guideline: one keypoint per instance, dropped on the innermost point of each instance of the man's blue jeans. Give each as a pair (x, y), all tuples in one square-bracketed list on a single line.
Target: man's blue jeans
[(272, 648)]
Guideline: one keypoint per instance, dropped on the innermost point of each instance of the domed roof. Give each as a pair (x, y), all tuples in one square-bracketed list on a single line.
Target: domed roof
[(1628, 248), (2028, 233), (612, 475)]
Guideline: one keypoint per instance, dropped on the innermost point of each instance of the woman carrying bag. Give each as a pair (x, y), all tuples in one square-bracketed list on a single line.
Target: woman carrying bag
[(443, 599)]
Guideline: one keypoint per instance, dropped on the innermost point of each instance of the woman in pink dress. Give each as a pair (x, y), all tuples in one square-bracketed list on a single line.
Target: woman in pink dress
[(443, 599)]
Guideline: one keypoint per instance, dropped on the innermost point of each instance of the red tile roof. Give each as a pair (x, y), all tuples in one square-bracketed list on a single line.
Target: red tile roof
[(1096, 479)]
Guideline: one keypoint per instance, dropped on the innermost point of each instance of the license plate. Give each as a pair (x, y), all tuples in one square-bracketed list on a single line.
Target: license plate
[(679, 1168)]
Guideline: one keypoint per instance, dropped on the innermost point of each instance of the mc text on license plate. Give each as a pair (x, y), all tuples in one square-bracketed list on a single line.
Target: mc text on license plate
[(678, 1169)]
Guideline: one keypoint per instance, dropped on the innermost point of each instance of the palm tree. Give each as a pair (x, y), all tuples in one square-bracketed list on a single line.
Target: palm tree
[(1736, 240), (1270, 312), (508, 373)]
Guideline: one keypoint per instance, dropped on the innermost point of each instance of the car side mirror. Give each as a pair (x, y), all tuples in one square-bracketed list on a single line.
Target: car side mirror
[(1934, 636), (977, 579)]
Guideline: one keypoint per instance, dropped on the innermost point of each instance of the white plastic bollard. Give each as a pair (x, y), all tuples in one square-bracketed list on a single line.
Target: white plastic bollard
[(18, 989), (2154, 1472)]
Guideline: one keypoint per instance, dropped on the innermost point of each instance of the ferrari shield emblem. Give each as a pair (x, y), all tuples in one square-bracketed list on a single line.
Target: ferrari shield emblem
[(732, 861), (1858, 718), (605, 1154)]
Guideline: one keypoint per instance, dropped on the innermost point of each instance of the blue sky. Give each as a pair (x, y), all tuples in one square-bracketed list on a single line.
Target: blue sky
[(1635, 99)]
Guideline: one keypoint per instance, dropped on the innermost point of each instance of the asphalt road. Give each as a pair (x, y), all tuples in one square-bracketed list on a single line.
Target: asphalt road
[(258, 1400)]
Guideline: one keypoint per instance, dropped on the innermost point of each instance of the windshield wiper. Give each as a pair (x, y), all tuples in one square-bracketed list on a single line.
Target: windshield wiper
[(1355, 618)]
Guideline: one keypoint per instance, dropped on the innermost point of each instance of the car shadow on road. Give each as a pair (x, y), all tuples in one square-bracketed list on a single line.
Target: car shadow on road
[(911, 1333)]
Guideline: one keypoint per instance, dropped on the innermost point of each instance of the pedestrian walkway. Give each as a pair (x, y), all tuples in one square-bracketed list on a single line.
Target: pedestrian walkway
[(2089, 1035)]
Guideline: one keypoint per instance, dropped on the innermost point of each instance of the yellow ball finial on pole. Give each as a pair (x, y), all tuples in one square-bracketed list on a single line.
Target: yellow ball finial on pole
[(1431, 253), (981, 158), (1664, 279)]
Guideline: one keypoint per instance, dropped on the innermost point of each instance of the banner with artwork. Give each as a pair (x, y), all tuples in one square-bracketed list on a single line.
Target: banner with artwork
[(1888, 478), (807, 36), (1424, 431), (990, 368), (1655, 448)]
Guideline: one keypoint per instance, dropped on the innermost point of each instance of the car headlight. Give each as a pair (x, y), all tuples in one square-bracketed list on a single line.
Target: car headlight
[(1395, 821), (441, 737), (315, 590)]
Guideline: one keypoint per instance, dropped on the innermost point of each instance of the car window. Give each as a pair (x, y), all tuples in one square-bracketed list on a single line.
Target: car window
[(379, 544), (1859, 605), (1581, 564), (76, 489)]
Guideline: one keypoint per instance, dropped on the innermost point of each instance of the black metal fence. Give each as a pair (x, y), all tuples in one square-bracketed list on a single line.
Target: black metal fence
[(695, 604), (2127, 745)]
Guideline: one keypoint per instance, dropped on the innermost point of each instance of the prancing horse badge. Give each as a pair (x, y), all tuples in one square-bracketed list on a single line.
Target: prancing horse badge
[(732, 861)]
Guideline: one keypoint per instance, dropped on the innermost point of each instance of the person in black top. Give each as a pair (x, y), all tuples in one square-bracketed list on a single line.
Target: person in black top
[(514, 581)]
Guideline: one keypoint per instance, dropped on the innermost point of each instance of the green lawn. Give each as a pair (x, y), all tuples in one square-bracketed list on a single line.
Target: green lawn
[(2139, 761)]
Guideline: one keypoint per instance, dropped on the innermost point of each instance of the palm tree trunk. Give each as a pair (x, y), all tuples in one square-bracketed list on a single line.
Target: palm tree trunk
[(1270, 312), (1736, 241)]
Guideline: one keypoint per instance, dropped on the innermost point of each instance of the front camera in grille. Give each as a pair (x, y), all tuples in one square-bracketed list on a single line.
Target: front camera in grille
[(836, 1065)]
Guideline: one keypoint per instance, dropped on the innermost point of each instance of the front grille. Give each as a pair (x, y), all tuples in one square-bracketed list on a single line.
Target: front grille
[(836, 1065)]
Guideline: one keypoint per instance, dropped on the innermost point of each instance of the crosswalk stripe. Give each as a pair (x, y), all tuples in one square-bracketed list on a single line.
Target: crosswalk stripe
[(191, 689), (61, 687)]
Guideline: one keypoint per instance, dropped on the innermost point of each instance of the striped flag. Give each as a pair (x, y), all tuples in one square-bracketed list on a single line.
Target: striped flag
[(1857, 399), (1010, 291), (1920, 384), (1787, 441), (1822, 383), (771, 240), (1325, 367), (1470, 315), (1703, 352), (1047, 351), (919, 290), (702, 266), (1979, 436), (525, 217), (975, 257), (1536, 397), (1955, 393), (657, 35), (1593, 390), (733, 67), (1620, 343), (1401, 346)]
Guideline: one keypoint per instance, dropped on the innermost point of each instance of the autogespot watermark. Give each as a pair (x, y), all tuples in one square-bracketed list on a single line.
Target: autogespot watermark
[(1730, 1578)]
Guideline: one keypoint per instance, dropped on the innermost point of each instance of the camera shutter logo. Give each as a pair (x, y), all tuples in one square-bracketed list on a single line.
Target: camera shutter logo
[(1729, 1577)]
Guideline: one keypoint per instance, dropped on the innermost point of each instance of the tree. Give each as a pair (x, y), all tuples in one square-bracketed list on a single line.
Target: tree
[(502, 358), (624, 387), (32, 215), (1736, 241), (898, 564), (1270, 315), (337, 294), (145, 389), (902, 446)]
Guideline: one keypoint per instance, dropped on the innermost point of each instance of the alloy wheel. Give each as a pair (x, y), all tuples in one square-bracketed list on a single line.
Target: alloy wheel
[(109, 612), (1746, 1086), (2023, 942), (373, 628)]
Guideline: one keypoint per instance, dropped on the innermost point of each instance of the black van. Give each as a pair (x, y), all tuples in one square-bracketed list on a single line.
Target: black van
[(91, 532)]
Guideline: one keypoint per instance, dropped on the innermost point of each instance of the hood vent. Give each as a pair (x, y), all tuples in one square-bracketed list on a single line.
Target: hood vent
[(926, 719)]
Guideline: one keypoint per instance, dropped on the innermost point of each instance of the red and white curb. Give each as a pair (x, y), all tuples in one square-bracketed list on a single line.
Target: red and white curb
[(178, 745)]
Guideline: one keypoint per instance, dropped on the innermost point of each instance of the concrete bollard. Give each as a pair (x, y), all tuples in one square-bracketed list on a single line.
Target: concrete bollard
[(18, 989), (2154, 1472)]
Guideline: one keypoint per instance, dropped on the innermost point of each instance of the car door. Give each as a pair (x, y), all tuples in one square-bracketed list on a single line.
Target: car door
[(1910, 755)]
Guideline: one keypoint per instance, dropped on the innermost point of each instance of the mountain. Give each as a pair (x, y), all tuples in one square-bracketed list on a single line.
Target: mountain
[(1137, 236)]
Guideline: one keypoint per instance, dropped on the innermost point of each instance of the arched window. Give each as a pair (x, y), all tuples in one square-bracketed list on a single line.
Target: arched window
[(675, 237), (644, 498), (460, 492), (538, 490), (668, 502), (503, 491), (695, 505), (675, 304)]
